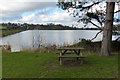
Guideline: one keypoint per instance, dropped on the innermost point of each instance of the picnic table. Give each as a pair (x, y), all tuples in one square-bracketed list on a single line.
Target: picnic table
[(70, 50)]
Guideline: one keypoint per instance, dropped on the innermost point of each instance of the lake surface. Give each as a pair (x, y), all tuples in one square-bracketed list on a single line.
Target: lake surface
[(35, 38)]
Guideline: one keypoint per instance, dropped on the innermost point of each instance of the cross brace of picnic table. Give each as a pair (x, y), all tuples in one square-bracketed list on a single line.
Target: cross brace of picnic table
[(64, 51)]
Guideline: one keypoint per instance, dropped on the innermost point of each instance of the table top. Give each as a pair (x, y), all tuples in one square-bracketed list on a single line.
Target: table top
[(70, 48)]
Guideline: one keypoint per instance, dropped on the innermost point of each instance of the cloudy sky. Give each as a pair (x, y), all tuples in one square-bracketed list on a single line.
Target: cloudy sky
[(37, 12)]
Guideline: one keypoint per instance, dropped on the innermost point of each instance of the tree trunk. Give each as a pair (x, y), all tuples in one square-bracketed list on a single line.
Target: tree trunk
[(107, 31)]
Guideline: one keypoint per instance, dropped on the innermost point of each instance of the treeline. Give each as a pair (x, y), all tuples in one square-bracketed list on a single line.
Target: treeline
[(50, 26), (26, 26), (116, 27)]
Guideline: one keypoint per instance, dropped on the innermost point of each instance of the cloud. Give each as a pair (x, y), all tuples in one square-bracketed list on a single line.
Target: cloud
[(34, 12), (29, 1), (57, 17), (12, 9), (37, 12)]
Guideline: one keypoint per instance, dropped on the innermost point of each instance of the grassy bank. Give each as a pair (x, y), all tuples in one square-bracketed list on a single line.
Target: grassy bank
[(8, 32), (96, 46), (3, 27), (46, 65)]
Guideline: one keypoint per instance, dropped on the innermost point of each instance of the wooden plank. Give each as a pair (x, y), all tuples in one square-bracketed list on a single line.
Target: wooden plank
[(69, 53), (72, 57), (70, 48)]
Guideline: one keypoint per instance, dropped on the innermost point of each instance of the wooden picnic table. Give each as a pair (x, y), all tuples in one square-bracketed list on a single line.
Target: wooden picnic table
[(70, 49), (73, 50)]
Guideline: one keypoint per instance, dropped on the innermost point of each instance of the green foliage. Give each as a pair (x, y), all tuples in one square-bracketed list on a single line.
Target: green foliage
[(94, 16), (96, 46), (25, 26), (9, 32), (46, 65), (85, 41)]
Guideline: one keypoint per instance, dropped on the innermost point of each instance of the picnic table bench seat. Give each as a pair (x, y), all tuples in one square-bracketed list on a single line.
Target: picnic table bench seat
[(71, 57)]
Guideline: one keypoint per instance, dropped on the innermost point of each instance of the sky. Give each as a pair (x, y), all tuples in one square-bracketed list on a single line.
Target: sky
[(36, 12)]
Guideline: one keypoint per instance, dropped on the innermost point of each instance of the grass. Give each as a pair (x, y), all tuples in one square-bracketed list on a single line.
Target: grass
[(3, 27), (8, 32), (46, 65)]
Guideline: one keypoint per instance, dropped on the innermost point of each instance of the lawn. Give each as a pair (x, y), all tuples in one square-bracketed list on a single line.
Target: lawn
[(46, 65)]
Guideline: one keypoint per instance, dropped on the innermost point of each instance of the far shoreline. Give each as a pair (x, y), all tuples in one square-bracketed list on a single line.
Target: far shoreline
[(4, 33)]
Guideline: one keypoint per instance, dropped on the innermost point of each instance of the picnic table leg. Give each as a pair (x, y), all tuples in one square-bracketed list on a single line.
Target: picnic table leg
[(60, 59), (77, 58), (64, 52), (77, 52)]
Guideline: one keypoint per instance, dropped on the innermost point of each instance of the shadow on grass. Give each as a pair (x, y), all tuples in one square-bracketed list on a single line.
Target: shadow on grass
[(70, 63)]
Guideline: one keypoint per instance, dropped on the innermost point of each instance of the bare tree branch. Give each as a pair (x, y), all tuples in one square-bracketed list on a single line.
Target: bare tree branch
[(91, 5), (117, 39), (96, 25), (117, 11), (96, 35)]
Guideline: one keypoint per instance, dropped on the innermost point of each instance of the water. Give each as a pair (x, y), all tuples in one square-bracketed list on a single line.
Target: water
[(36, 38)]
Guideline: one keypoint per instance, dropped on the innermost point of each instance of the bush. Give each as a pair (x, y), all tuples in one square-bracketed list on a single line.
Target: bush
[(5, 48)]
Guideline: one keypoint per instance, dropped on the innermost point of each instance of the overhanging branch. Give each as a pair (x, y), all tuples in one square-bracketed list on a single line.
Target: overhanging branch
[(117, 11), (96, 35), (117, 39), (87, 7), (96, 25)]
